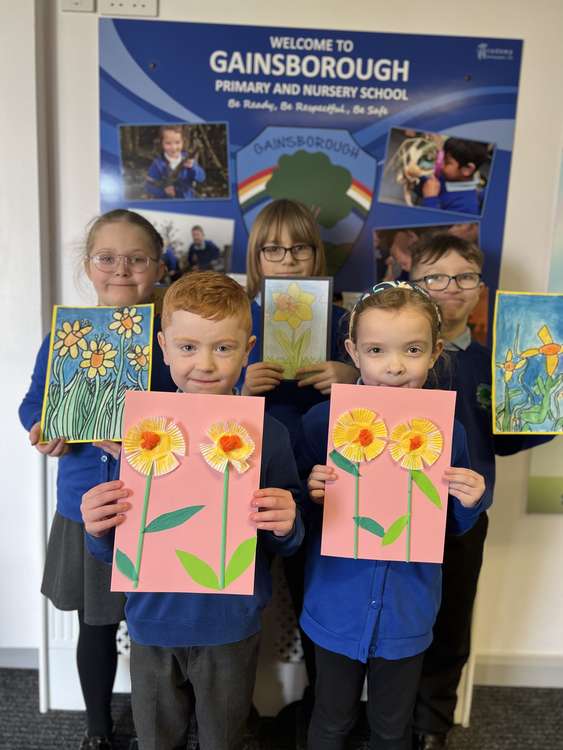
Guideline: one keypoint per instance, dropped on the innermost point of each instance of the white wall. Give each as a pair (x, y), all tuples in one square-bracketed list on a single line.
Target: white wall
[(521, 612)]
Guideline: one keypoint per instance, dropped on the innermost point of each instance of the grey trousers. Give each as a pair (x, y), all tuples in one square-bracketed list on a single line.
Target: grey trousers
[(169, 684)]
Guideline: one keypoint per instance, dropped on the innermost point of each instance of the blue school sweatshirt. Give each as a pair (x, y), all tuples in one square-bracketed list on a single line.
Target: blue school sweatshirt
[(203, 257), (287, 402), (213, 619), (160, 175), (461, 197), (84, 466), (467, 370), (371, 608)]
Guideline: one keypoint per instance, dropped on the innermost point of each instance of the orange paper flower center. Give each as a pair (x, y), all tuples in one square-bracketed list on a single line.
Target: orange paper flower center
[(415, 442), (365, 437), (127, 322), (550, 349), (149, 440), (97, 359), (230, 442)]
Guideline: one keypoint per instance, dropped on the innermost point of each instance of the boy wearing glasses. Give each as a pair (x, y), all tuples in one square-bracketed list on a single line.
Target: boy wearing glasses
[(449, 268)]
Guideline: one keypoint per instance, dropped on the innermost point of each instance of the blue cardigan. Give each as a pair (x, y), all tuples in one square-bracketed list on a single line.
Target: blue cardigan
[(454, 196), (371, 608), (84, 466), (288, 402), (212, 619)]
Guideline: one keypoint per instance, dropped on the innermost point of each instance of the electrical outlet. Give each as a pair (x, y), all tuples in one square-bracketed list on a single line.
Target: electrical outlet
[(82, 6), (128, 7)]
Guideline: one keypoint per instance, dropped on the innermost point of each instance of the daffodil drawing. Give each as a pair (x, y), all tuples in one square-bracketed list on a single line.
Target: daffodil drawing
[(358, 435), (528, 349), (230, 446), (294, 308), (153, 448), (95, 355), (413, 445)]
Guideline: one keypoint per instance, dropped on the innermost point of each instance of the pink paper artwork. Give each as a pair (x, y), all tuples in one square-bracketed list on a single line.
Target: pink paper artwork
[(193, 464), (390, 447)]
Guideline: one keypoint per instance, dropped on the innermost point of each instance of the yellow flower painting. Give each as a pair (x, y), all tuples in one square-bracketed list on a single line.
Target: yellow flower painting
[(71, 338), (293, 308), (126, 322), (98, 358)]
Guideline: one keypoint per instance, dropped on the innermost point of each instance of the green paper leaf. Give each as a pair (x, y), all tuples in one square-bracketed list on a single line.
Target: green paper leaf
[(344, 463), (241, 559), (125, 566), (173, 519), (425, 484), (198, 570), (394, 531), (369, 524)]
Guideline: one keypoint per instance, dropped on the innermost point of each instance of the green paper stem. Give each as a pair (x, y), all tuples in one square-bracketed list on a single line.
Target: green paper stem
[(409, 514), (141, 538), (356, 512), (224, 527)]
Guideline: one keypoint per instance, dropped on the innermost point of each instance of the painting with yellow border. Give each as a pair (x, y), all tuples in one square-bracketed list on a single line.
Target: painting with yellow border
[(96, 354), (527, 363)]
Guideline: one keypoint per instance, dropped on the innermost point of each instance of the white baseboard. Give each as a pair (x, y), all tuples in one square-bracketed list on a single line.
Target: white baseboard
[(519, 670), (19, 658)]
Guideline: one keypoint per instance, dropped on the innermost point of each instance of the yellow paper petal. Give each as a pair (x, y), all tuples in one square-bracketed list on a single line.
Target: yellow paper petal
[(423, 425), (373, 450)]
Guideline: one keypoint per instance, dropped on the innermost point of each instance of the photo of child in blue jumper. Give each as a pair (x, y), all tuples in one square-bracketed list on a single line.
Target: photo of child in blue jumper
[(173, 173), (368, 617)]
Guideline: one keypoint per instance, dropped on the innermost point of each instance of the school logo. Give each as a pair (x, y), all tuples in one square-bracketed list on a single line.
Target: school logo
[(324, 169), (484, 52)]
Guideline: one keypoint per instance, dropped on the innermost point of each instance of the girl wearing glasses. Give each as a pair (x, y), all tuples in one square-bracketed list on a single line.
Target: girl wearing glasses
[(123, 262), (285, 241)]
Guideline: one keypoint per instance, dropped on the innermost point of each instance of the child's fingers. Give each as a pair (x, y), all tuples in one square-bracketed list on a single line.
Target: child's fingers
[(313, 379), (98, 528), (323, 473), (268, 516), (35, 433)]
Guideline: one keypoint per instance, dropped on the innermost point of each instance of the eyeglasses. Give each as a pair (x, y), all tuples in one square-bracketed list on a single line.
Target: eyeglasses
[(108, 262), (276, 253), (438, 282)]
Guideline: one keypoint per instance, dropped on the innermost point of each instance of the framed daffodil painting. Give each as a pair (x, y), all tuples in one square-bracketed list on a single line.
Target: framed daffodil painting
[(296, 313), (390, 447), (192, 463), (96, 354), (528, 364)]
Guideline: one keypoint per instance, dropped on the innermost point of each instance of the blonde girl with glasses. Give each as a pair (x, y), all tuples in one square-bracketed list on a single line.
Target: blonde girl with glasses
[(122, 260)]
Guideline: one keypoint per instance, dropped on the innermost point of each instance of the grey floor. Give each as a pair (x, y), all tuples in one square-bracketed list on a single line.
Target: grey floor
[(502, 719)]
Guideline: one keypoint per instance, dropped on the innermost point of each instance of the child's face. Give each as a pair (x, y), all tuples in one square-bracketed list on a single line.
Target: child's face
[(454, 172), (456, 305), (205, 356), (394, 347), (172, 143), (123, 286), (197, 236), (289, 266)]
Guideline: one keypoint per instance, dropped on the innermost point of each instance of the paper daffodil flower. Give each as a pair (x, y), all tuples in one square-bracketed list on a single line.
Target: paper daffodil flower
[(359, 435), (293, 307), (98, 358), (231, 445), (549, 349), (126, 322), (416, 443), (151, 446), (71, 338)]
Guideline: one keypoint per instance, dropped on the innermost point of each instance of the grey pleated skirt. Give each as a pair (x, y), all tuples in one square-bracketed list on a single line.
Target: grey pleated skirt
[(74, 580)]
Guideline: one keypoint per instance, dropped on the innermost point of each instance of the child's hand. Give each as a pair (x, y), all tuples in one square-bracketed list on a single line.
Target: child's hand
[(109, 446), (54, 448), (170, 190), (189, 163), (322, 375), (431, 187), (101, 507), (465, 484), (261, 377), (276, 510), (318, 477)]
